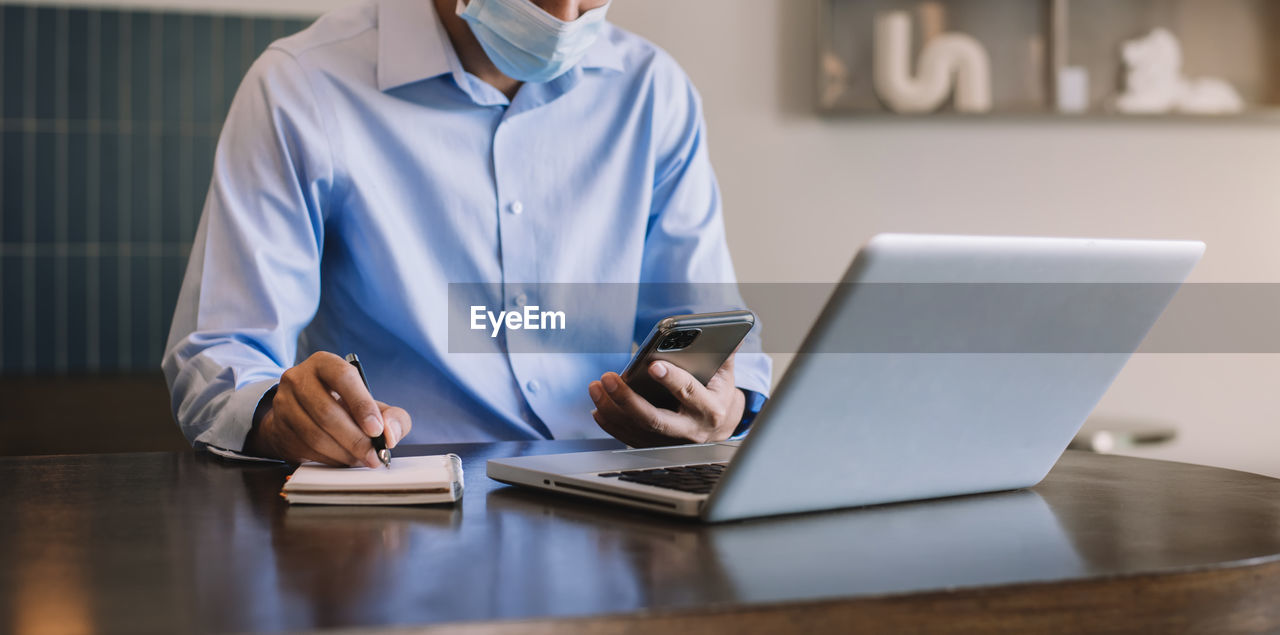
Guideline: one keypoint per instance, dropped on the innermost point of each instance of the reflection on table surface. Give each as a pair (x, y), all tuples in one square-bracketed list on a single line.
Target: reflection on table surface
[(208, 545), (989, 539)]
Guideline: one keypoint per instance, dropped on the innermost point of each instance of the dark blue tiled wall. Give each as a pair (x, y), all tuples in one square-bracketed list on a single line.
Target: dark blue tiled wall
[(108, 122)]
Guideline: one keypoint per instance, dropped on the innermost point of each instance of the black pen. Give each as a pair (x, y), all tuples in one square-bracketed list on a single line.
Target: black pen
[(380, 441)]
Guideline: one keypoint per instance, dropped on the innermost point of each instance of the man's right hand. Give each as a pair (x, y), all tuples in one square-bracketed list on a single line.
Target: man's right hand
[(322, 412)]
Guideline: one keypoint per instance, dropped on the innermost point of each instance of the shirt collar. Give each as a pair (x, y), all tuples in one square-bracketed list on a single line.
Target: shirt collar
[(413, 46), (604, 54)]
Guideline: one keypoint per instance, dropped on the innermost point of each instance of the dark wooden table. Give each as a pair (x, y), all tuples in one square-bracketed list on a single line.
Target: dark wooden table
[(175, 542)]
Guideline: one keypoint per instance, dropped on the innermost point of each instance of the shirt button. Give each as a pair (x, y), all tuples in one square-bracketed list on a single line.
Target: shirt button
[(516, 207), (533, 386), (522, 300)]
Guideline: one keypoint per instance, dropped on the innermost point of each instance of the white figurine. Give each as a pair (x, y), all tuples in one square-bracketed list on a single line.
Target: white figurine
[(1155, 84), (944, 57)]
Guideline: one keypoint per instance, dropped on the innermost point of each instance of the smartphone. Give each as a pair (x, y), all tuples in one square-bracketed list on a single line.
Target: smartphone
[(699, 343)]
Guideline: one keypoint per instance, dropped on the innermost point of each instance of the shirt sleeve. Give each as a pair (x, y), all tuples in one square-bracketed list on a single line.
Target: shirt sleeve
[(253, 279), (686, 266)]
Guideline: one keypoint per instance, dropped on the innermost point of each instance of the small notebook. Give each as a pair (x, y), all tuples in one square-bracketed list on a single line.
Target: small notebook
[(411, 480)]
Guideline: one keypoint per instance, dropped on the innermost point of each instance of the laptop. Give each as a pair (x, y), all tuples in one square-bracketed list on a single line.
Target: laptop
[(940, 366)]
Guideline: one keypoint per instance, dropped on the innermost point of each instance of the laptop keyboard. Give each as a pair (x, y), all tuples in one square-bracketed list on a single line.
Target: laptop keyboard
[(695, 479)]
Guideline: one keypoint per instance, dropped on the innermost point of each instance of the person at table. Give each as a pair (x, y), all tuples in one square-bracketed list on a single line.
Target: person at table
[(397, 146)]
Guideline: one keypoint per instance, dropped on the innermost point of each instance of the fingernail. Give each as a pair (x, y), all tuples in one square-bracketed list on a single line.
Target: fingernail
[(398, 433), (372, 426), (658, 369), (610, 383), (371, 459), (594, 389)]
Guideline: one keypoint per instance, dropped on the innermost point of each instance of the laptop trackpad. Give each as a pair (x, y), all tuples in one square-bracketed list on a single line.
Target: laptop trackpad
[(685, 454)]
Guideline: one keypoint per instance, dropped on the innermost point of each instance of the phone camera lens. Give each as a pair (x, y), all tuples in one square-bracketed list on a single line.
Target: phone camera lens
[(678, 340)]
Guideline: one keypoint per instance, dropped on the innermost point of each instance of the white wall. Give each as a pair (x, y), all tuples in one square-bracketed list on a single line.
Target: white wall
[(801, 192)]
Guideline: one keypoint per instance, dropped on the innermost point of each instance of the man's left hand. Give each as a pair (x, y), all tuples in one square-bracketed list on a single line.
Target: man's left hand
[(706, 413)]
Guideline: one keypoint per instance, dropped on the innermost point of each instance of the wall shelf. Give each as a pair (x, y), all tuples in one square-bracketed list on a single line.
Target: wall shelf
[(1029, 40)]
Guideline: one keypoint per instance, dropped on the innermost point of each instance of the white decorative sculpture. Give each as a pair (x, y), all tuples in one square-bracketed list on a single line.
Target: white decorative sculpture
[(1073, 90), (1155, 84), (949, 58)]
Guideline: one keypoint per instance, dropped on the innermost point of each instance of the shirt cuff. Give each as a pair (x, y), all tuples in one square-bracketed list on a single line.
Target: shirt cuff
[(236, 417), (239, 457), (755, 403)]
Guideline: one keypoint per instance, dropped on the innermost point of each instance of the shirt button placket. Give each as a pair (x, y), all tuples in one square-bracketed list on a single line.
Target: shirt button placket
[(517, 251)]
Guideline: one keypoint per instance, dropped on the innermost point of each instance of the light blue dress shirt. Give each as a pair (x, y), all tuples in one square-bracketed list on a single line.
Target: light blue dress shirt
[(361, 171)]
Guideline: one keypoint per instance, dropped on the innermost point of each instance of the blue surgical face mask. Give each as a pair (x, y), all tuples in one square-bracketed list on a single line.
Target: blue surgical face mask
[(527, 43)]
